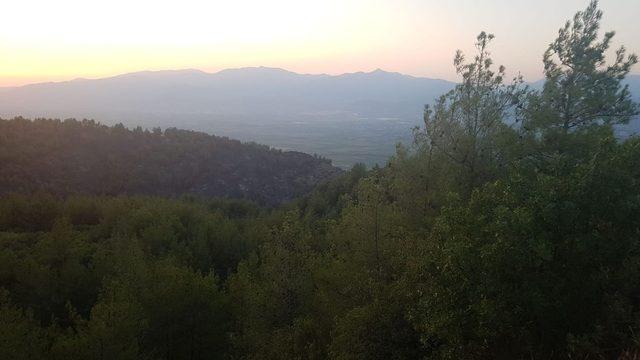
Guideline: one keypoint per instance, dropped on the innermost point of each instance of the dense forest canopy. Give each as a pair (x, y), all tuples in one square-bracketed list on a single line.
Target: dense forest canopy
[(488, 238), (65, 157)]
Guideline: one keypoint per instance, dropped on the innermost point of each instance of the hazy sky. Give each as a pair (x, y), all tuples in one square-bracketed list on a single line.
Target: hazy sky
[(43, 40)]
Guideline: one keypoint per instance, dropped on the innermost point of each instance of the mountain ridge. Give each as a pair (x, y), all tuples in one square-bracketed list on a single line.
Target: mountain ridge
[(222, 71), (251, 68), (349, 118)]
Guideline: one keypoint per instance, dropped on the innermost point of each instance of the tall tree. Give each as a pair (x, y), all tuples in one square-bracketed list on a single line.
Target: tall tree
[(466, 123), (581, 90)]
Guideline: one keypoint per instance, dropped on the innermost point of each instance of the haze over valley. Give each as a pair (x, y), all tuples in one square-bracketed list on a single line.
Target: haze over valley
[(350, 118)]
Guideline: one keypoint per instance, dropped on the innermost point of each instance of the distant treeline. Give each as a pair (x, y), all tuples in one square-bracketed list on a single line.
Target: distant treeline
[(71, 157), (487, 239)]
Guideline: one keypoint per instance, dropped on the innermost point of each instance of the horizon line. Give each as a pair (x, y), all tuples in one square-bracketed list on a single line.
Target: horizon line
[(192, 69), (189, 69)]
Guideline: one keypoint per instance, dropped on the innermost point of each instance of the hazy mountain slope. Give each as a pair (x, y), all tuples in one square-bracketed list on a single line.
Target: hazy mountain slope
[(229, 92), (66, 157), (349, 118), (357, 117)]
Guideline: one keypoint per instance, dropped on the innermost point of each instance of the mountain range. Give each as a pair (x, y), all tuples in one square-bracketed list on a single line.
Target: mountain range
[(349, 118)]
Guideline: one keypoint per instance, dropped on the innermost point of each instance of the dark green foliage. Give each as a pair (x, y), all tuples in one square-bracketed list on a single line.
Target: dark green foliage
[(487, 239), (120, 278), (21, 337), (376, 331), (529, 263), (67, 157)]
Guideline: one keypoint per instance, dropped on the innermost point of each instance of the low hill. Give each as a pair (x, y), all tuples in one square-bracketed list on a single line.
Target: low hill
[(70, 156)]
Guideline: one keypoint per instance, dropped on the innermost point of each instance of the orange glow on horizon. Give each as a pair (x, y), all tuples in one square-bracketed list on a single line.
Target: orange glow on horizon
[(43, 40)]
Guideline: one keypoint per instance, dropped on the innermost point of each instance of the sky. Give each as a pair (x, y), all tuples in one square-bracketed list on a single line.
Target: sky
[(44, 40)]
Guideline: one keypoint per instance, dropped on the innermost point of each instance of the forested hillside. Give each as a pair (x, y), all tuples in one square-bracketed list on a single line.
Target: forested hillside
[(486, 239), (67, 157)]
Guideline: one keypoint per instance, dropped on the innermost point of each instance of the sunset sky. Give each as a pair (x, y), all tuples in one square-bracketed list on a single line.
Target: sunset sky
[(42, 40)]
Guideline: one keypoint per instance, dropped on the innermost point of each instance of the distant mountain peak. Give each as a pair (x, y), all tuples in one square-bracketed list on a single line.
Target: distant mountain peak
[(146, 73), (256, 70)]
